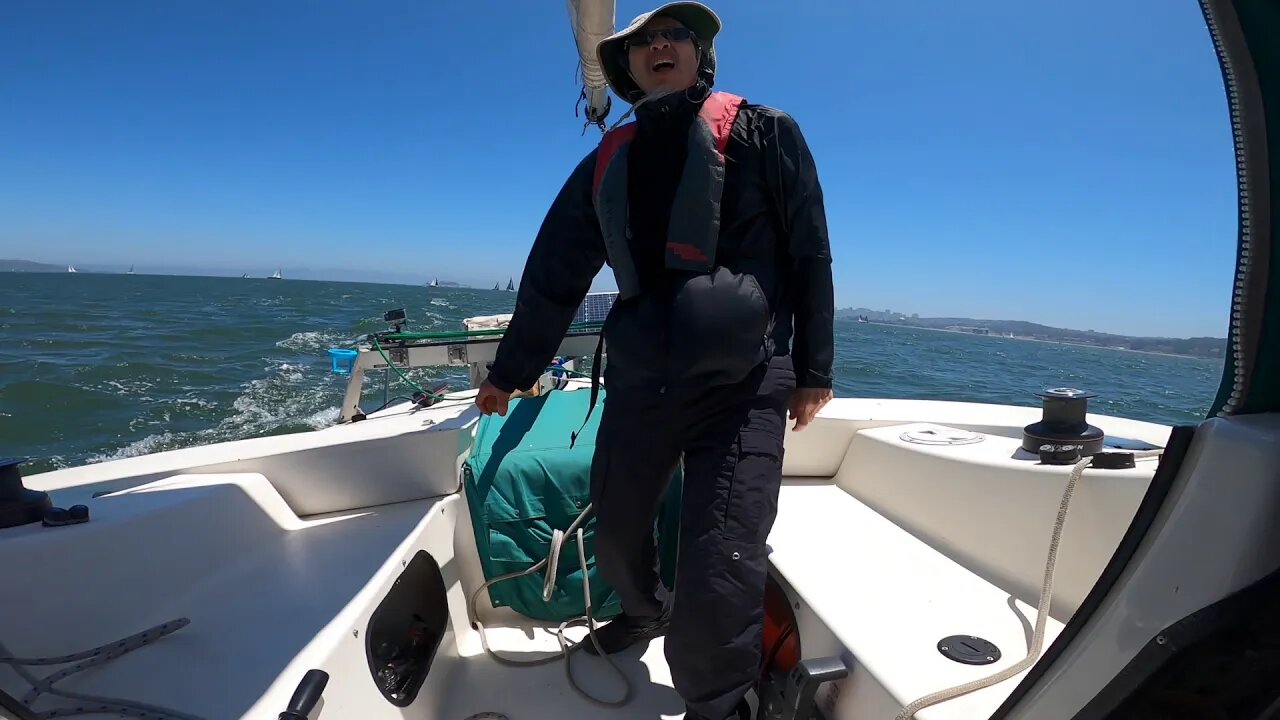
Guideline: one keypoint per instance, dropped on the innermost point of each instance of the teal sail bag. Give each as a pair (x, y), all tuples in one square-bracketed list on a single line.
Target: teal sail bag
[(523, 482)]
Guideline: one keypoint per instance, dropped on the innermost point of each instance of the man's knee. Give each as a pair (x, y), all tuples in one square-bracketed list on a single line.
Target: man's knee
[(719, 597)]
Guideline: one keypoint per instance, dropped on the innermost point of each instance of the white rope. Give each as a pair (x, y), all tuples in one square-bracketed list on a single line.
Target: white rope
[(1042, 609), (567, 647), (553, 566)]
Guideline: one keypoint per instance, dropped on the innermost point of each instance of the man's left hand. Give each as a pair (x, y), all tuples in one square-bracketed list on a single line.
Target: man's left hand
[(805, 404)]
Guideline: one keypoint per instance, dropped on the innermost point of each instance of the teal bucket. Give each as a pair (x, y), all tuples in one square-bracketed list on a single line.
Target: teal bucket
[(343, 360)]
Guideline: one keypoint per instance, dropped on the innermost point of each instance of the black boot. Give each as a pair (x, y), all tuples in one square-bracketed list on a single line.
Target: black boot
[(624, 631)]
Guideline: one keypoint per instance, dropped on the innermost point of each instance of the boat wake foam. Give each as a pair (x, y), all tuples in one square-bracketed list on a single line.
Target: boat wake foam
[(314, 341), (287, 400)]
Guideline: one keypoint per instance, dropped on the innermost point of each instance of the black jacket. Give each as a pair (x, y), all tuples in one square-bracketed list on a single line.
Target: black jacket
[(773, 232)]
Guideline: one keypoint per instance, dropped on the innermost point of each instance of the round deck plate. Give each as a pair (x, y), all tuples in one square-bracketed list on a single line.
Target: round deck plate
[(969, 649), (937, 435)]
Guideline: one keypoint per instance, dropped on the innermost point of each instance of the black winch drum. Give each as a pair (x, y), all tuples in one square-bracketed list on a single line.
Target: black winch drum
[(1063, 431)]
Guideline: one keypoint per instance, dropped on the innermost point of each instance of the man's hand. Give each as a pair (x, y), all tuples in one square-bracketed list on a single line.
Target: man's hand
[(492, 400), (805, 404)]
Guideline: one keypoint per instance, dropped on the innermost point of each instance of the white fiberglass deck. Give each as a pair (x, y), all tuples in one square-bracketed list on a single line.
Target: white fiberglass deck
[(542, 693), (279, 550), (260, 586)]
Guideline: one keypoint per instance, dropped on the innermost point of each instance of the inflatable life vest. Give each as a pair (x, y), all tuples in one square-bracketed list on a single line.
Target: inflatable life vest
[(781, 651), (694, 226)]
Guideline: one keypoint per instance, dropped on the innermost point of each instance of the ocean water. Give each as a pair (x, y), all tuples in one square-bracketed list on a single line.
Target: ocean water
[(98, 367)]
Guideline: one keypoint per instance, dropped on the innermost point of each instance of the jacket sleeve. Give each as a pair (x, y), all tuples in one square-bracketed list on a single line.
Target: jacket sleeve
[(792, 170), (566, 255)]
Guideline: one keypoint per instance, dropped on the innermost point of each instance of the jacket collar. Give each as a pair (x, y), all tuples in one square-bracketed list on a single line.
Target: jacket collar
[(673, 112)]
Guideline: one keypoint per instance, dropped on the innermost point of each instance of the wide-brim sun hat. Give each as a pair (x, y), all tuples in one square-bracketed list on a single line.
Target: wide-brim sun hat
[(613, 56)]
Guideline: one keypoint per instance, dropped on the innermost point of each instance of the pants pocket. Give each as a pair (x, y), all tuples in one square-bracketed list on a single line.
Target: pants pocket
[(751, 504)]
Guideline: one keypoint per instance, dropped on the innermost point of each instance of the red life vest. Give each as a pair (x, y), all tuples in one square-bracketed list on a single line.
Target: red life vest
[(694, 226)]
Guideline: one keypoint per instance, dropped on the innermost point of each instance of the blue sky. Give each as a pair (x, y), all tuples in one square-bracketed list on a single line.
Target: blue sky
[(1065, 163)]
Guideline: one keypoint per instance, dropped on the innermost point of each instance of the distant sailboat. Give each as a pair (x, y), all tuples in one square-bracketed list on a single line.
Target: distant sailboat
[(71, 268), (244, 276), (276, 276), (435, 282), (496, 286), (130, 270), (511, 285)]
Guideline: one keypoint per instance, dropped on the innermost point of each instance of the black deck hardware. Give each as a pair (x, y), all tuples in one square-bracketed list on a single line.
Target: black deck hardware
[(969, 649)]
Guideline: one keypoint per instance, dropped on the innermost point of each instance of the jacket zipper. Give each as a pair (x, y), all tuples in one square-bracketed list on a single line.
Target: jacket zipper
[(1240, 362)]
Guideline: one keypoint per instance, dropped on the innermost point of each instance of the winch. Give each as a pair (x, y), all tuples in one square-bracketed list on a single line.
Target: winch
[(1063, 435)]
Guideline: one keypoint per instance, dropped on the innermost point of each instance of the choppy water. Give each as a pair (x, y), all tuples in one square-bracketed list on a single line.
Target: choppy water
[(97, 367)]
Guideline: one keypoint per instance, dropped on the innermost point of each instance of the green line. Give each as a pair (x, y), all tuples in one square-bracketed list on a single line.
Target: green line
[(403, 377)]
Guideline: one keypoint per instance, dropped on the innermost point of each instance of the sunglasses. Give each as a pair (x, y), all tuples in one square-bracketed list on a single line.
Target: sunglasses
[(646, 39)]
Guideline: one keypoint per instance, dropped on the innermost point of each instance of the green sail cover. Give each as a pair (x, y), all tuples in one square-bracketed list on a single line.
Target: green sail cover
[(523, 481), (1245, 33)]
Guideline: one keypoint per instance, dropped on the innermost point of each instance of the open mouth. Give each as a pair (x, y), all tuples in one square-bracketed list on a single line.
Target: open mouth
[(663, 66)]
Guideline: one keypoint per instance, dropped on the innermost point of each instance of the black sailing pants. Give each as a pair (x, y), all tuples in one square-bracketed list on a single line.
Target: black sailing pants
[(730, 438)]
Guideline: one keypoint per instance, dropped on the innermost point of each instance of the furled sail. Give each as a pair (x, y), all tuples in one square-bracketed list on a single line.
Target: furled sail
[(592, 21)]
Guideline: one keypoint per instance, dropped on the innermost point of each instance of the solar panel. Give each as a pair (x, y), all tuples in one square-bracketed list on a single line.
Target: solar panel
[(595, 307)]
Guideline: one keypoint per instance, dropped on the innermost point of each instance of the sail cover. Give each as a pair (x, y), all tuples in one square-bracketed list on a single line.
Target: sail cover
[(592, 21), (1244, 33), (523, 482)]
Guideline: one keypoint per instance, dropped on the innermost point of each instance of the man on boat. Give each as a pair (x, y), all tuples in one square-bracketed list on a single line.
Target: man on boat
[(709, 211)]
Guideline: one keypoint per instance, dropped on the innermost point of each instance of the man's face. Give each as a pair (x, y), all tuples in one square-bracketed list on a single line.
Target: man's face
[(662, 56)]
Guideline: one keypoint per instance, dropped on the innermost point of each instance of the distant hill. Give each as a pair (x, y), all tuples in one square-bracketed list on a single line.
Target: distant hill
[(1202, 347), (28, 266)]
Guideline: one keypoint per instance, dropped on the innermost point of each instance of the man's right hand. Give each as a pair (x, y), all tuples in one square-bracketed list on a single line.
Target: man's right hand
[(492, 400)]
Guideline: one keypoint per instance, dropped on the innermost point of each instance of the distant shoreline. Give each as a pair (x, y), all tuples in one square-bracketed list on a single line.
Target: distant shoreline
[(1031, 339), (1202, 348)]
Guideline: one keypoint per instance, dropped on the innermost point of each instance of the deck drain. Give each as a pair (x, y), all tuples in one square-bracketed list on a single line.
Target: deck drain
[(969, 649)]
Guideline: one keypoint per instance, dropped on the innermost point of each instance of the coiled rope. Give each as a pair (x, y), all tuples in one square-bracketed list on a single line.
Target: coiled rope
[(567, 647)]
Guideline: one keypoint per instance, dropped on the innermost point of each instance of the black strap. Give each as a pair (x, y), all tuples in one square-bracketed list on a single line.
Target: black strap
[(595, 389)]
